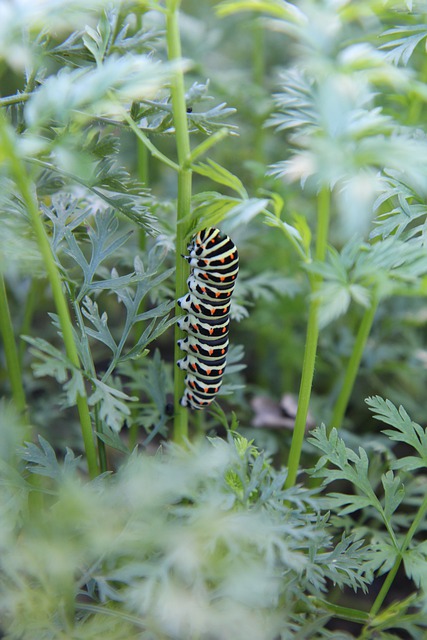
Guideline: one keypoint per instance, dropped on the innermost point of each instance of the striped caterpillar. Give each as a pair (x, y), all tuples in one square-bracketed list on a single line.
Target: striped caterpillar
[(214, 263)]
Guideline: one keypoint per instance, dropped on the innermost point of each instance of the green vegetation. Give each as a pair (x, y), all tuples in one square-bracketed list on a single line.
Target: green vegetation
[(295, 506)]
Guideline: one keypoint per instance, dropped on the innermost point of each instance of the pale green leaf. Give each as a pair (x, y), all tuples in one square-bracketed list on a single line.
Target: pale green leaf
[(217, 173)]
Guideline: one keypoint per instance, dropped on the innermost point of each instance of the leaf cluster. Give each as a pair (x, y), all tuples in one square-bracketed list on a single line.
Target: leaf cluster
[(205, 542), (88, 279), (392, 511), (327, 107), (367, 273), (209, 522)]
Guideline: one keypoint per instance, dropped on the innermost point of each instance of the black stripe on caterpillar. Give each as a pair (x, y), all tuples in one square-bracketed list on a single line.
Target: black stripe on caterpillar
[(202, 387), (203, 310), (204, 292), (212, 329), (204, 368), (215, 277), (206, 349)]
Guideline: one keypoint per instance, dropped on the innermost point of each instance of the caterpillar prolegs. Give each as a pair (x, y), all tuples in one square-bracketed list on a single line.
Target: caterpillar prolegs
[(214, 263)]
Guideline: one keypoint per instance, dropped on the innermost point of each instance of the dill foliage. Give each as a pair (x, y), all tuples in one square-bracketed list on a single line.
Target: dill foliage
[(299, 128)]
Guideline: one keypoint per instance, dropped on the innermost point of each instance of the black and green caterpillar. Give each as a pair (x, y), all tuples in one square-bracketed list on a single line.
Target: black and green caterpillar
[(214, 263)]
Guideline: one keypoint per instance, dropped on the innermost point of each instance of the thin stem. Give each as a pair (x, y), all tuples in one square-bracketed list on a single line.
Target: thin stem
[(147, 142), (208, 143), (90, 370), (25, 186), (405, 544), (344, 613), (258, 74), (183, 202), (258, 52), (274, 220), (11, 351), (15, 99), (143, 164), (353, 367), (416, 102), (102, 453), (310, 344), (114, 613), (143, 174), (133, 436), (32, 300)]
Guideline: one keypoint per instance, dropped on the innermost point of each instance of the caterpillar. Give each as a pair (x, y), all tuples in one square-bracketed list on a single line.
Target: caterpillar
[(214, 263)]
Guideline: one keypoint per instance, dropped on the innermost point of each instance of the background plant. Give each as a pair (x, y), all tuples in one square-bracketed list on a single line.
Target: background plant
[(106, 133)]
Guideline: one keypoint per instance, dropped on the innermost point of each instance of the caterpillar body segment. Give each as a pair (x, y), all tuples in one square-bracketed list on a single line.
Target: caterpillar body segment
[(205, 292), (215, 277), (216, 264), (213, 349), (205, 369), (203, 309), (195, 401), (211, 244), (225, 268), (206, 389), (208, 330)]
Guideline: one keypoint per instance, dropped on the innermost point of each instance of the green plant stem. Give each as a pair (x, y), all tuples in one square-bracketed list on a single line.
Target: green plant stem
[(114, 613), (15, 99), (204, 146), (258, 52), (344, 613), (35, 293), (143, 175), (422, 511), (353, 367), (11, 352), (258, 74), (147, 142), (25, 187), (89, 367), (416, 102), (133, 437), (143, 168), (180, 433), (310, 344), (143, 165), (102, 453)]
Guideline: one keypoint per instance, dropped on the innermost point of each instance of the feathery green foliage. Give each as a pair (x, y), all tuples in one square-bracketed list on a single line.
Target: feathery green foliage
[(299, 129)]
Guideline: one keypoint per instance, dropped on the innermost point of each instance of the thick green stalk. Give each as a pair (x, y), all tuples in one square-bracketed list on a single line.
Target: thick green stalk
[(180, 413), (11, 351), (25, 187), (183, 201), (353, 367), (143, 175), (310, 343)]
